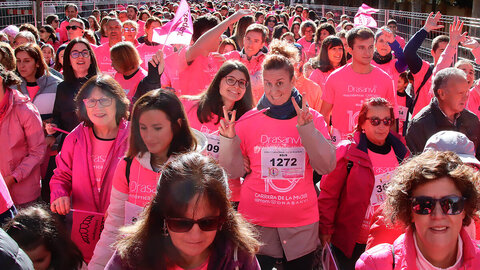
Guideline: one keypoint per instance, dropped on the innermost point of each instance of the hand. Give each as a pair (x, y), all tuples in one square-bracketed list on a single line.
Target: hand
[(217, 57), (304, 116), (50, 141), (456, 35), (388, 35), (471, 43), (49, 128), (325, 238), (242, 12), (432, 22), (158, 60), (61, 205), (9, 181), (227, 125)]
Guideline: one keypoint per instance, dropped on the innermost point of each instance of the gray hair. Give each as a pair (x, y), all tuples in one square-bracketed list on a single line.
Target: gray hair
[(442, 78), (27, 35)]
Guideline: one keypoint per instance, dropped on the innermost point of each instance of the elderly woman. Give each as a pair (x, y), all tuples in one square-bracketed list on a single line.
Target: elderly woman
[(435, 197), (356, 188), (90, 153)]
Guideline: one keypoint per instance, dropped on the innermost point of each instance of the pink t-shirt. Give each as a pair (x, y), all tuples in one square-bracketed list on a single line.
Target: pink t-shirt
[(401, 41), (174, 63), (142, 183), (425, 93), (104, 60), (130, 85), (305, 44), (141, 28), (279, 191), (146, 52), (383, 168), (209, 129), (312, 50), (320, 77), (100, 150), (390, 69), (346, 90), (32, 91), (474, 100)]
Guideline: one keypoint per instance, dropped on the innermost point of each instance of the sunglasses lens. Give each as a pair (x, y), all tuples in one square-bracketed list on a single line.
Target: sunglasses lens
[(423, 205), (179, 225), (375, 121), (209, 224), (452, 205)]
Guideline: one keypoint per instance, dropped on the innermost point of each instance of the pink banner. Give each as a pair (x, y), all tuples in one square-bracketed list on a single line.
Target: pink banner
[(177, 31), (86, 229)]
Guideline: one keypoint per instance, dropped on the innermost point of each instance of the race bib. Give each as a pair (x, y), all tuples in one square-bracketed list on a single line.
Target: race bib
[(132, 212), (402, 113), (381, 183), (336, 136), (283, 163), (213, 146)]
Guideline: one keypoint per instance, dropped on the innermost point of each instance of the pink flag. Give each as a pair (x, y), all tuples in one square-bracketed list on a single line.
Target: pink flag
[(177, 31), (364, 17), (86, 229)]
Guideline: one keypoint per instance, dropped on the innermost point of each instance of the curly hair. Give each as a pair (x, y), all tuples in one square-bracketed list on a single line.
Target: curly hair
[(425, 168)]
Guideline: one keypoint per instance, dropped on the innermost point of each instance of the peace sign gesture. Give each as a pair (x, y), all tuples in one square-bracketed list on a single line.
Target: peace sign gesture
[(227, 125), (304, 116)]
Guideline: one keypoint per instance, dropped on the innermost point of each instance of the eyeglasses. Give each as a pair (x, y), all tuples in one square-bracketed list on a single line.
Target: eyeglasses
[(42, 31), (75, 54), (73, 27), (182, 225), (132, 29), (375, 121), (104, 102), (451, 205), (232, 81)]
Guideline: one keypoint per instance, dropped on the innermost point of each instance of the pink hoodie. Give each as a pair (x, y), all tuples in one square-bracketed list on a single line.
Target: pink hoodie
[(381, 257), (23, 141), (74, 174)]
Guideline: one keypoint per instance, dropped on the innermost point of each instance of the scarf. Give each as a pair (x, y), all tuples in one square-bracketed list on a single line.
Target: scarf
[(382, 59), (281, 112)]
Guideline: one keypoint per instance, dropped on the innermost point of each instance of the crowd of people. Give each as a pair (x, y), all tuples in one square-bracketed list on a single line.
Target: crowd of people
[(275, 139)]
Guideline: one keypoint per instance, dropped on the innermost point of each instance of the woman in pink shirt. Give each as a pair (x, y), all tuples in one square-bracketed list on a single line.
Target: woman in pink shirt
[(295, 29), (231, 89), (355, 189), (434, 195), (332, 56), (307, 30), (283, 144), (159, 132), (323, 31), (90, 153)]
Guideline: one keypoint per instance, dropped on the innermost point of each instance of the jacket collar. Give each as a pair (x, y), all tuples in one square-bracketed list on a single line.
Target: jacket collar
[(261, 52), (440, 118)]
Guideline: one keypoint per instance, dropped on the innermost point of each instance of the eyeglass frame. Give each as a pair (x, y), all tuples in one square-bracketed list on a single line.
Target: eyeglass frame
[(237, 82), (99, 101)]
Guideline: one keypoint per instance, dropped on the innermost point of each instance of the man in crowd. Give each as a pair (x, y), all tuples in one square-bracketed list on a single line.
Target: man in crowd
[(114, 33)]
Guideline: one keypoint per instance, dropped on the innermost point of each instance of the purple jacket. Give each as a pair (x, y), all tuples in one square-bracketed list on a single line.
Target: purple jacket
[(74, 174), (222, 258), (381, 257), (23, 147)]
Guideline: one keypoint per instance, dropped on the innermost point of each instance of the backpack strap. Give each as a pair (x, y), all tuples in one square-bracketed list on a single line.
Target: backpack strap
[(393, 257), (417, 92), (127, 169)]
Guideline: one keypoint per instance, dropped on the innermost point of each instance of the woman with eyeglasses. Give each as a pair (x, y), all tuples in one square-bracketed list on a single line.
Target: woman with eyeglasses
[(190, 224), (283, 141), (159, 132), (270, 22), (230, 89), (79, 65), (434, 195), (355, 189), (307, 31), (90, 154)]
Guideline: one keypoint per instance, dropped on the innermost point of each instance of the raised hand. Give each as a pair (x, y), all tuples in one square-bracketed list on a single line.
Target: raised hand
[(158, 61), (471, 43), (227, 125), (456, 35), (304, 116), (432, 22), (388, 35)]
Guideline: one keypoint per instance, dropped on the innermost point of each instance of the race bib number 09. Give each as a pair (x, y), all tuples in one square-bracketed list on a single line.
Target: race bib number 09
[(283, 163)]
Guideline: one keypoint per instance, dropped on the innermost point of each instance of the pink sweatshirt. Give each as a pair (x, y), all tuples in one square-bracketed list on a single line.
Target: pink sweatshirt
[(74, 175), (21, 134)]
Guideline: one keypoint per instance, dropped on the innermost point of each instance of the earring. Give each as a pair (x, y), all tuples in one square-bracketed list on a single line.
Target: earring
[(164, 229)]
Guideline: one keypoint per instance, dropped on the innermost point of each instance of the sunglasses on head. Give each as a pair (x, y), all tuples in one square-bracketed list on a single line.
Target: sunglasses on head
[(375, 121), (74, 27), (181, 225), (451, 205)]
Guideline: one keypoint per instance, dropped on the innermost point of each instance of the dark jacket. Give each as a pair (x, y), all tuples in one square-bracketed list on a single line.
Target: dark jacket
[(12, 257), (151, 82), (345, 195), (431, 120), (222, 258)]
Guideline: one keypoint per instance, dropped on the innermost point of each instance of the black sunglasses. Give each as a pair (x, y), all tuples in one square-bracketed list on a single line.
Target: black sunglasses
[(74, 27), (451, 205), (181, 225), (375, 121)]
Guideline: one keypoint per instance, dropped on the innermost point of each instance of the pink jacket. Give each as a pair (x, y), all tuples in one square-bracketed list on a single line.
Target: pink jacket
[(74, 174), (381, 257), (23, 147)]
